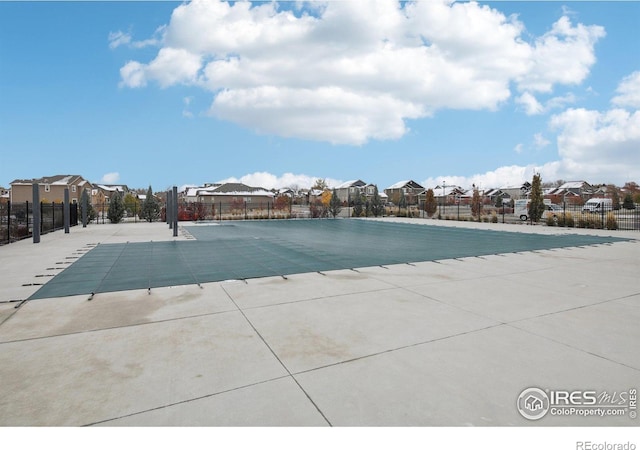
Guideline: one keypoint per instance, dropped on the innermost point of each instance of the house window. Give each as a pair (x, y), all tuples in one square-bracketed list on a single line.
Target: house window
[(73, 188), (247, 199), (47, 188)]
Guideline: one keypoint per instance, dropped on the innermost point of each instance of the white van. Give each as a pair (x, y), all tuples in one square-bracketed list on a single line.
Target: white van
[(521, 208), (598, 205)]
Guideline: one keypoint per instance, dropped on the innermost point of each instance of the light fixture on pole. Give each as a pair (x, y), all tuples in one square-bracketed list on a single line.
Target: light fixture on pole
[(444, 184)]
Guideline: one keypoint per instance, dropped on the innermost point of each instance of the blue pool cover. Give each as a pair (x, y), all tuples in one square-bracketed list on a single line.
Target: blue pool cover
[(253, 249)]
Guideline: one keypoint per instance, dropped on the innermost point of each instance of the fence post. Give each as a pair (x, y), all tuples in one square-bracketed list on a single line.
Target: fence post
[(9, 221), (66, 211), (169, 212), (175, 211), (166, 207), (85, 206), (26, 209), (36, 213)]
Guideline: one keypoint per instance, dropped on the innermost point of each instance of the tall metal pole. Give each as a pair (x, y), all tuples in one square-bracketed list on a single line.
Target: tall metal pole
[(36, 213), (175, 211), (85, 207), (444, 185), (66, 211), (9, 221), (169, 209)]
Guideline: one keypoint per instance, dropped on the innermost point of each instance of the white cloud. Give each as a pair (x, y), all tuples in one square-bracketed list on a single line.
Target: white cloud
[(560, 102), (539, 141), (110, 178), (270, 181), (531, 105), (599, 144), (357, 71), (596, 146), (563, 55), (628, 92), (133, 75), (326, 113), (118, 38), (173, 66), (500, 177), (185, 111)]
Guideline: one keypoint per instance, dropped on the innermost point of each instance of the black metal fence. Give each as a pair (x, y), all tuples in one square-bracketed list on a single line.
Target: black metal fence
[(586, 216), (241, 210), (16, 219), (99, 213), (562, 215)]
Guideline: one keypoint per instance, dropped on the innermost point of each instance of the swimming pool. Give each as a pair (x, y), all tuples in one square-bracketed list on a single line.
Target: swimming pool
[(255, 249)]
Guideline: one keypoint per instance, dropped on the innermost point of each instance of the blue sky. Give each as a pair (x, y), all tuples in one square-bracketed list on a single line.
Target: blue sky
[(166, 93)]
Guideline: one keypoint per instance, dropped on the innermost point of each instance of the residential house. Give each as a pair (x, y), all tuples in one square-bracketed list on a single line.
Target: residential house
[(517, 191), (370, 189), (286, 192), (51, 189), (580, 189), (110, 189), (231, 194), (101, 194), (450, 193), (5, 195), (409, 188), (314, 195), (347, 191), (491, 196)]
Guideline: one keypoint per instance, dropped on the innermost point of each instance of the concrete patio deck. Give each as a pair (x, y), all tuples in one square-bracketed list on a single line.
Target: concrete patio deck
[(446, 343)]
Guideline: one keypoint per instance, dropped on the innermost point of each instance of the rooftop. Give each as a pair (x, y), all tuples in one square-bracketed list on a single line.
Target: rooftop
[(61, 180)]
